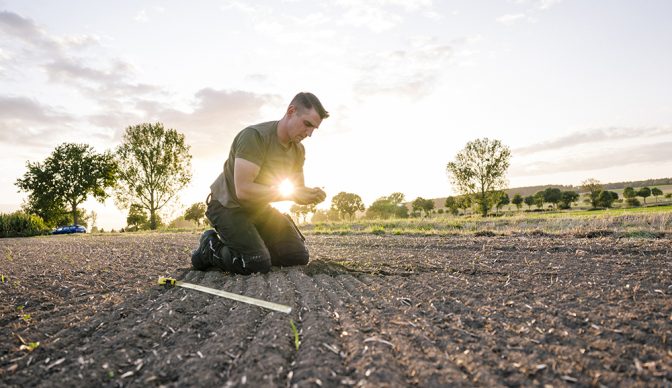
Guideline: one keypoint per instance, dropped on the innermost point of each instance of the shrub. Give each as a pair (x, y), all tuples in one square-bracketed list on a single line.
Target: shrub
[(20, 224), (633, 202)]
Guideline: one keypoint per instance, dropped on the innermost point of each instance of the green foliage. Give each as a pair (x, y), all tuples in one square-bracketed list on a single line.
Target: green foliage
[(347, 204), (633, 202), (501, 199), (20, 224), (629, 192), (529, 201), (425, 205), (668, 195), (606, 198), (644, 192), (154, 165), (517, 200), (656, 192), (66, 178), (479, 169), (195, 212), (552, 195), (302, 211), (137, 217), (593, 188), (568, 197), (295, 333)]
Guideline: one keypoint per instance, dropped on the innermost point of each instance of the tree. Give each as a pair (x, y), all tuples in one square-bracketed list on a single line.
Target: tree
[(302, 211), (67, 177), (644, 192), (552, 195), (656, 192), (387, 207), (668, 195), (517, 200), (195, 212), (480, 169), (629, 192), (567, 198), (464, 202), (421, 204), (452, 205), (136, 217), (347, 204), (529, 201), (154, 165), (593, 187), (502, 199), (606, 198), (539, 199)]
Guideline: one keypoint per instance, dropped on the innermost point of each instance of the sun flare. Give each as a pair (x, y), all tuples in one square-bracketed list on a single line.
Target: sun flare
[(286, 187)]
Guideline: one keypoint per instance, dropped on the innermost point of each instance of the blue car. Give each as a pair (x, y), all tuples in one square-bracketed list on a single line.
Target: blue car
[(69, 229)]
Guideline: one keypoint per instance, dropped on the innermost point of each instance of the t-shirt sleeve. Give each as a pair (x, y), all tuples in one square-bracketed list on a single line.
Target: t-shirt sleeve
[(250, 146)]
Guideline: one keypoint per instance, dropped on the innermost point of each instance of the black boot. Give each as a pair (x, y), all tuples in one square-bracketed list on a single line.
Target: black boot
[(202, 257)]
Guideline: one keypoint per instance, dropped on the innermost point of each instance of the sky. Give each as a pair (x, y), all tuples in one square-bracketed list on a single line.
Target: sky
[(576, 89)]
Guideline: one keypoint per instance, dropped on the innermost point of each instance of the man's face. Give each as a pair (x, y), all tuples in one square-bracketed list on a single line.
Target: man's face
[(302, 123)]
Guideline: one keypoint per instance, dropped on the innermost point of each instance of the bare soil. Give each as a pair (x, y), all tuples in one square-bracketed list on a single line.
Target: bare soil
[(370, 310)]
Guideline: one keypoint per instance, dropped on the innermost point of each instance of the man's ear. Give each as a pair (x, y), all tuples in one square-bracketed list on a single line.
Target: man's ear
[(291, 110)]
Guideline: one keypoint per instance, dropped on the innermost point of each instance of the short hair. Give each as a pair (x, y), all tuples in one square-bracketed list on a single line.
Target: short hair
[(308, 100)]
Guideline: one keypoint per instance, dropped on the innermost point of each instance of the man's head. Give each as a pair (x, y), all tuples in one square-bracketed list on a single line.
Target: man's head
[(304, 115)]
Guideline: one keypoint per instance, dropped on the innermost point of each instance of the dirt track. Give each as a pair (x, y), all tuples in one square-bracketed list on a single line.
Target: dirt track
[(371, 311)]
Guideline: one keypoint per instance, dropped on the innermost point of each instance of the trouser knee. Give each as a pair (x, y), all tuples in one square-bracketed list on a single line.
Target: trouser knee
[(246, 264), (289, 257)]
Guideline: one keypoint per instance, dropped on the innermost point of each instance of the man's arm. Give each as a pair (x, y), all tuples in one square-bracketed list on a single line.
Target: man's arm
[(249, 192)]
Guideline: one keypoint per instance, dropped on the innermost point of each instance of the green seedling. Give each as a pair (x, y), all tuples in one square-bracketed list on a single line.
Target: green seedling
[(29, 346), (20, 307), (26, 317), (297, 341), (3, 279)]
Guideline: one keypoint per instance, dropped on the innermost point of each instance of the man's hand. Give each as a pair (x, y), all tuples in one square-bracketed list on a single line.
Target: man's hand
[(307, 195)]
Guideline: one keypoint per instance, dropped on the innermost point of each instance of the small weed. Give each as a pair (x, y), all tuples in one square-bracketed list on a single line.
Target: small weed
[(20, 307), (28, 345), (25, 317), (378, 230), (297, 341), (3, 279)]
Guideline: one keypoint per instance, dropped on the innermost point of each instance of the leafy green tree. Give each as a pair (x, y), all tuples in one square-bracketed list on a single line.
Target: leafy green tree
[(195, 212), (347, 204), (154, 165), (302, 211), (568, 197), (539, 199), (593, 188), (606, 198), (552, 195), (529, 201), (656, 192), (421, 204), (479, 169), (464, 202), (517, 200), (137, 217), (644, 192), (502, 200), (396, 198), (66, 178), (387, 207), (629, 192), (452, 205)]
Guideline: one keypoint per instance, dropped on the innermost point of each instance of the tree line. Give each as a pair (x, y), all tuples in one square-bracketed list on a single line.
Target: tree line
[(144, 173)]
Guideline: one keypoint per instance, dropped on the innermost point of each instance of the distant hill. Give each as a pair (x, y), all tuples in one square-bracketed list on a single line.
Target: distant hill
[(530, 190)]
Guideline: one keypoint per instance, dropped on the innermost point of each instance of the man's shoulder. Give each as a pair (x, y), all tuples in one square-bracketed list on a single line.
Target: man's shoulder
[(264, 129)]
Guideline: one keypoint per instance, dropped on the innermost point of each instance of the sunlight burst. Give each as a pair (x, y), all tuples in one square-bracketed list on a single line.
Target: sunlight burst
[(286, 188)]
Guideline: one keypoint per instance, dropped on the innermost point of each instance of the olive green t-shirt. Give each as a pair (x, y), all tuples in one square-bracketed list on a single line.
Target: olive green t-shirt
[(258, 144)]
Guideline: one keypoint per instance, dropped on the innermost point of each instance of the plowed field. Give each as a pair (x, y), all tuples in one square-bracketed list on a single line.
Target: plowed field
[(370, 311)]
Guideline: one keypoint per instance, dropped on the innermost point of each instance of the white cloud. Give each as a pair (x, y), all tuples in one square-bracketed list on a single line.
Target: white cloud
[(601, 158), (412, 72), (511, 19), (592, 136), (141, 16)]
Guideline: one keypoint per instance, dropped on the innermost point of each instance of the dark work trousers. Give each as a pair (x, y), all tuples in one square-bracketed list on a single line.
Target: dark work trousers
[(257, 239)]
